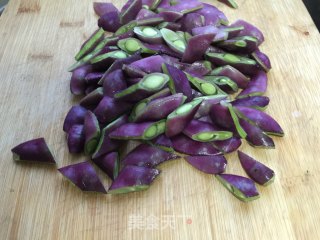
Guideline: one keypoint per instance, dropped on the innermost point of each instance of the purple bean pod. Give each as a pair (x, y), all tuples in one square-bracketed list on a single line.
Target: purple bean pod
[(75, 115), (196, 47), (83, 176), (146, 155), (208, 164), (132, 179), (106, 144), (255, 136), (256, 87), (91, 100), (186, 145), (261, 119), (78, 83), (242, 188), (113, 82), (76, 139), (109, 163), (179, 82), (35, 150), (91, 132), (181, 117), (157, 109), (257, 171), (109, 109)]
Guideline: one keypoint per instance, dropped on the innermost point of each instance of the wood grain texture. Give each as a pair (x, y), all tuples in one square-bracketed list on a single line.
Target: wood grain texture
[(38, 41)]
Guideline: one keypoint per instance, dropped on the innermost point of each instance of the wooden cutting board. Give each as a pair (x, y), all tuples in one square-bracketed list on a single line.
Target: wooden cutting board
[(38, 41)]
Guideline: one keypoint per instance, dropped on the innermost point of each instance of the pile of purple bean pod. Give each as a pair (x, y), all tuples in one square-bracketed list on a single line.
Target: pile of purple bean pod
[(175, 76)]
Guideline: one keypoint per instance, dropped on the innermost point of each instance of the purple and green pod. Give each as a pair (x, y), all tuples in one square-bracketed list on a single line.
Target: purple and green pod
[(101, 8), (151, 64), (224, 116), (154, 21), (139, 131), (182, 6), (101, 48), (93, 78), (161, 94), (243, 64), (224, 83), (92, 133), (133, 72), (262, 59), (219, 34), (83, 176), (249, 30), (91, 100), (110, 21), (221, 116), (90, 44), (207, 88), (256, 87), (208, 164), (106, 144), (257, 102), (77, 82), (133, 45), (205, 132), (157, 109), (163, 142), (148, 34), (109, 163), (113, 83), (178, 82), (132, 81), (146, 155), (171, 16), (170, 25), (186, 145), (261, 119), (212, 15), (174, 40), (196, 94), (242, 133), (103, 61), (181, 117), (145, 13), (257, 171), (90, 89), (230, 3), (169, 59), (118, 64), (150, 84), (255, 136), (132, 179), (242, 188), (35, 150), (190, 21), (126, 28), (75, 115), (76, 139), (110, 109), (198, 68), (228, 146), (130, 10), (196, 47), (161, 49), (207, 102), (243, 45)]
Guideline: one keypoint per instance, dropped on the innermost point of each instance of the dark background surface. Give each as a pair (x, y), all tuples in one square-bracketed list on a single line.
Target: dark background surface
[(313, 7)]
